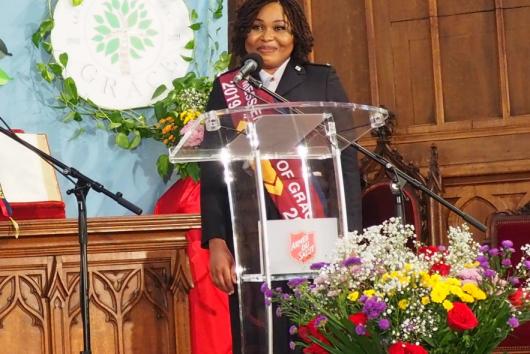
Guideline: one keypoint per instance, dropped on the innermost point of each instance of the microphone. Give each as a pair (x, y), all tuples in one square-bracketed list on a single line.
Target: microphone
[(251, 62)]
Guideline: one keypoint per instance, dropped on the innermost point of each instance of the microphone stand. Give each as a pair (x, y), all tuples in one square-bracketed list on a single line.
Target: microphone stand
[(416, 184), (80, 190), (401, 178)]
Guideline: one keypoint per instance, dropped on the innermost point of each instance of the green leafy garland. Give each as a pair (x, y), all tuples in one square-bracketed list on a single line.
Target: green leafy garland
[(4, 77), (162, 121)]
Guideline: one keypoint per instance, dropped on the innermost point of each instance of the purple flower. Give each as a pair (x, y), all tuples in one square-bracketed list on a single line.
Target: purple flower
[(293, 330), (264, 287), (363, 299), (292, 345), (513, 322), (489, 273), (384, 324), (351, 261), (267, 292), (318, 265), (373, 307), (320, 320), (527, 264), (360, 330), (484, 248), (482, 259), (267, 301), (507, 244), (514, 280), (278, 311), (506, 262), (295, 282), (494, 252)]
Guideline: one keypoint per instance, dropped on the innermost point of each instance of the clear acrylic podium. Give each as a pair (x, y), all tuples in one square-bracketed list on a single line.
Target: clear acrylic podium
[(283, 172)]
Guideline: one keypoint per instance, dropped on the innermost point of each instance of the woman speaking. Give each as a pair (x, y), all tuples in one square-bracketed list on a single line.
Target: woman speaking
[(279, 33)]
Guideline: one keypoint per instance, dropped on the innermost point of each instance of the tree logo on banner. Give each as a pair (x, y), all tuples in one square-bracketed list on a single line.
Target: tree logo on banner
[(120, 51), (123, 30)]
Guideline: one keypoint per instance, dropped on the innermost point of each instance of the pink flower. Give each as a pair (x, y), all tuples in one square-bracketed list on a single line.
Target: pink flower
[(196, 137), (470, 275)]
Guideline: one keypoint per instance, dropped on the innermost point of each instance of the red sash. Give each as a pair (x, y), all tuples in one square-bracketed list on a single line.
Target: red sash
[(283, 179)]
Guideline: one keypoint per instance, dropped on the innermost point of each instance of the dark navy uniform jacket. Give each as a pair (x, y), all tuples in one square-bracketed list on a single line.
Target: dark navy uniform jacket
[(300, 82)]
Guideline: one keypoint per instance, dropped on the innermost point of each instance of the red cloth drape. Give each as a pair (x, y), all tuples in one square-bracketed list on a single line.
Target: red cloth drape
[(209, 315), (37, 210)]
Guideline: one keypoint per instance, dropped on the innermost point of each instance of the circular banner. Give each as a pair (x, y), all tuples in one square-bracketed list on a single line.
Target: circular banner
[(120, 51)]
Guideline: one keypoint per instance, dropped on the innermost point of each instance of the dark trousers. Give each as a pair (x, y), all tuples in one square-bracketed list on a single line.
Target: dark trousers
[(256, 323)]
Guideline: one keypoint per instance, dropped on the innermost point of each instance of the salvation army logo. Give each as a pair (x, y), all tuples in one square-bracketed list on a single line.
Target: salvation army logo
[(302, 246)]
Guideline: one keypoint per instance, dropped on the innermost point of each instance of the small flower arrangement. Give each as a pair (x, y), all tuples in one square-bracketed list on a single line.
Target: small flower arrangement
[(175, 113), (380, 295)]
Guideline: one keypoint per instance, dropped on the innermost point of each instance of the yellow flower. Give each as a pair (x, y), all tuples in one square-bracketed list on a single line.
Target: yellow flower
[(425, 300), (466, 298), (186, 116), (353, 296), (448, 305), (403, 304), (474, 291), (453, 281), (369, 293), (472, 265), (439, 293), (455, 290)]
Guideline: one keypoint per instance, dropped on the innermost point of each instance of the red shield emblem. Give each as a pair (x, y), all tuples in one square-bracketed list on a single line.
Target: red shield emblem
[(302, 246)]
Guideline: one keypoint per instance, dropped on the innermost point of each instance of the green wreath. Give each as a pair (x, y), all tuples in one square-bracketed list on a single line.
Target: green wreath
[(162, 121)]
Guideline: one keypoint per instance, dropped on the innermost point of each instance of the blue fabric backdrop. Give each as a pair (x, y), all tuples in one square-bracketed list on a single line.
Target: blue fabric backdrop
[(26, 102)]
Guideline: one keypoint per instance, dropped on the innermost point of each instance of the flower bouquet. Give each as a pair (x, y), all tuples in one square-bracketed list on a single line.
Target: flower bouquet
[(380, 295), (176, 113)]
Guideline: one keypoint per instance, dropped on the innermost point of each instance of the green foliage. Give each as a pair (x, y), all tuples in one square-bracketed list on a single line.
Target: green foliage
[(128, 127), (4, 77)]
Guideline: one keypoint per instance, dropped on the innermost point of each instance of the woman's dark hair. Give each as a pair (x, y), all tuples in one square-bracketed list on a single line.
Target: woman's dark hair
[(247, 13)]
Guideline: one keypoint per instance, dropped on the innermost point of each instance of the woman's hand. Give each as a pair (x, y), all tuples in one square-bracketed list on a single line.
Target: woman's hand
[(222, 265)]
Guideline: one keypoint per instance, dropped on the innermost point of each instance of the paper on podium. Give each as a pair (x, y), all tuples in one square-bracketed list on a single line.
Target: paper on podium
[(24, 176)]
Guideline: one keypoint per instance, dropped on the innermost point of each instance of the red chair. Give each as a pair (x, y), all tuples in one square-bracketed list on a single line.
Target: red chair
[(514, 227)]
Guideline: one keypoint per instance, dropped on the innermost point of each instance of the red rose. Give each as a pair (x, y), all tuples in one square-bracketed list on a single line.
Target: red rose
[(310, 330), (428, 251), (406, 348), (315, 349), (441, 268), (303, 333), (516, 298), (461, 318), (358, 318)]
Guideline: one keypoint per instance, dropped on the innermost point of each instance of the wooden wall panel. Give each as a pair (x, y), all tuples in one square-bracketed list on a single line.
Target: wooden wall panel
[(407, 10), (517, 21), (455, 7), (413, 75), (470, 72), (347, 48), (506, 4)]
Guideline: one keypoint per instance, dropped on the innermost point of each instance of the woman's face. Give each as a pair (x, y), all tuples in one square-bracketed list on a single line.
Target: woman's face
[(270, 36)]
